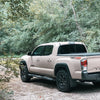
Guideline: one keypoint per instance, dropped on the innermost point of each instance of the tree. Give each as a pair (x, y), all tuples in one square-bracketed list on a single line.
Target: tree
[(27, 23)]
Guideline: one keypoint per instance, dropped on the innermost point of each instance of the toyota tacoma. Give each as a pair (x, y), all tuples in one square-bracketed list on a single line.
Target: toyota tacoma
[(66, 62)]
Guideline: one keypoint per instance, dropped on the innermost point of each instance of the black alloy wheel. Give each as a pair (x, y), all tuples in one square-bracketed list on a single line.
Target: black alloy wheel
[(63, 81), (24, 73)]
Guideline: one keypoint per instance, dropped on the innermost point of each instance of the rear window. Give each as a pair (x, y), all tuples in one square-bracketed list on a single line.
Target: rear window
[(72, 48)]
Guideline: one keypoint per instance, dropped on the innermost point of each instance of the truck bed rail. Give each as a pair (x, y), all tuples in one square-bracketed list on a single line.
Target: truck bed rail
[(80, 54)]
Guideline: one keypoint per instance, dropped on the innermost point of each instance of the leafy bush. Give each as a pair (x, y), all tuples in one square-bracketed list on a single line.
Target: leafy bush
[(11, 65), (10, 70)]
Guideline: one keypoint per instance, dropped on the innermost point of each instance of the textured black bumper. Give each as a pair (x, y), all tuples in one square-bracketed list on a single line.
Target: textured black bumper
[(90, 76)]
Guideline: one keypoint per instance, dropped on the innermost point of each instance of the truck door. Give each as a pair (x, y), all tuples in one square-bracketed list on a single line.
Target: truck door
[(46, 60), (42, 60), (36, 55)]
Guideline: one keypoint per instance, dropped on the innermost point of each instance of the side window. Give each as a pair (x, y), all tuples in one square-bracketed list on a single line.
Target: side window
[(48, 50), (38, 51), (72, 48)]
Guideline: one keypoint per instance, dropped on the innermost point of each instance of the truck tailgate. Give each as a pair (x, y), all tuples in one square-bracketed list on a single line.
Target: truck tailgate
[(93, 64)]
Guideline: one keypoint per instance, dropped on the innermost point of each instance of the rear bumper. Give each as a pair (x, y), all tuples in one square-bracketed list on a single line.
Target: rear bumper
[(90, 76)]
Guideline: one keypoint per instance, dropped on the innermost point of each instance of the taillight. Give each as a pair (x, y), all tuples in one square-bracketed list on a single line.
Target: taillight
[(84, 64)]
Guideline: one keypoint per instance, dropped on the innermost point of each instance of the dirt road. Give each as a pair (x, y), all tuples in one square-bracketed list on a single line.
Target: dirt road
[(43, 89)]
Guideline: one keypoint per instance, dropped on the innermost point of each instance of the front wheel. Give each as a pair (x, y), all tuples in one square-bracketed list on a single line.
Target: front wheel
[(63, 81), (24, 73)]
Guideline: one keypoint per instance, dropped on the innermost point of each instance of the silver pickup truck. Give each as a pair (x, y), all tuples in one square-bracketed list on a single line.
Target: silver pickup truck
[(66, 62)]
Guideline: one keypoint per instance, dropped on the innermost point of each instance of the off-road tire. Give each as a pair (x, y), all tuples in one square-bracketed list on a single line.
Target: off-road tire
[(63, 80), (24, 73)]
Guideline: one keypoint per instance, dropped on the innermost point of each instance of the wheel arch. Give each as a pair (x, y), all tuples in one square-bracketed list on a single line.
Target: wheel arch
[(59, 66), (21, 63)]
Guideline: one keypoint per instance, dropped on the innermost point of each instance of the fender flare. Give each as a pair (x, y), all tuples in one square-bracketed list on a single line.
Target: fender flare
[(59, 66), (21, 63)]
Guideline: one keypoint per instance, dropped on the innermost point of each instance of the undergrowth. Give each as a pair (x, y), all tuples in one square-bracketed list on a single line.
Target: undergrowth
[(9, 68)]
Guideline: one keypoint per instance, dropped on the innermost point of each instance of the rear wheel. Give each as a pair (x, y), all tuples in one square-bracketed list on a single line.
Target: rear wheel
[(24, 73), (63, 81)]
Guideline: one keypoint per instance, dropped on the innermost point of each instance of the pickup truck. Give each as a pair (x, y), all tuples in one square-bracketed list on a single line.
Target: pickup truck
[(66, 62)]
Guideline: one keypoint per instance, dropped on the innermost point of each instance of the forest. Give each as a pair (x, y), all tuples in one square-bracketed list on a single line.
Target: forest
[(25, 24)]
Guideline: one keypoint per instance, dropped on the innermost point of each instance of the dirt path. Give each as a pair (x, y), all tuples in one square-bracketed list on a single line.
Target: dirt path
[(43, 89)]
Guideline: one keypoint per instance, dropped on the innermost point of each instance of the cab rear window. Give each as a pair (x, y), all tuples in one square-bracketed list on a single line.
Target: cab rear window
[(72, 48)]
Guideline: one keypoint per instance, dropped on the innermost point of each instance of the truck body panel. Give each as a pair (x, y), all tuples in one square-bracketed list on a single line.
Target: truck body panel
[(93, 64)]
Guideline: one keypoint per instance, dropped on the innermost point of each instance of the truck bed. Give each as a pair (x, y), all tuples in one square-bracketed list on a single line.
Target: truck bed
[(93, 60)]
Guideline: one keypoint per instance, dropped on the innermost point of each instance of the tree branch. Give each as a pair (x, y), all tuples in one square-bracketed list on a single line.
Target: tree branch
[(77, 24)]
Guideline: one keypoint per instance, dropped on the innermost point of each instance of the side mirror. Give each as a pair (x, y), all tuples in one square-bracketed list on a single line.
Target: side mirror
[(29, 53)]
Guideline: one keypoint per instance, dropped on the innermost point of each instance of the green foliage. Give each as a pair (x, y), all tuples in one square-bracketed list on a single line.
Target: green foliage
[(11, 68), (27, 23)]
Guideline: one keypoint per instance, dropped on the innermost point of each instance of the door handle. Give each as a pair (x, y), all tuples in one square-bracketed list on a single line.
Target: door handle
[(38, 60), (49, 60)]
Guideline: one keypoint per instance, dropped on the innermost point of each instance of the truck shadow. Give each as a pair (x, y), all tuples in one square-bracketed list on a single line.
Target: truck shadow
[(81, 87), (87, 87), (44, 82)]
